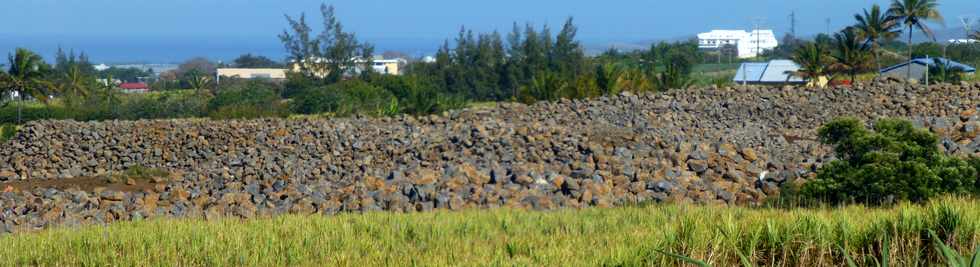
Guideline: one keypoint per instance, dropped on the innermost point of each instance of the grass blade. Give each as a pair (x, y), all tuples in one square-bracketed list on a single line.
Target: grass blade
[(684, 258), (975, 262), (884, 252), (952, 257), (847, 256)]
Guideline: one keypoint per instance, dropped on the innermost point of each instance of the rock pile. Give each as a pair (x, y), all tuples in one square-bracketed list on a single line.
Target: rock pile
[(714, 145)]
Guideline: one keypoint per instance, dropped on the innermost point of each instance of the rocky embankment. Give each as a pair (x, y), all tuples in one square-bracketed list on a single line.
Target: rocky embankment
[(713, 145)]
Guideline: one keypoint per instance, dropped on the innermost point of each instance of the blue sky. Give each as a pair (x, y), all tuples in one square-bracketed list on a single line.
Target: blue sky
[(252, 25)]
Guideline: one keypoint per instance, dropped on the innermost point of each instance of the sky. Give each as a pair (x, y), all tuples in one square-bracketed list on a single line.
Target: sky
[(172, 30)]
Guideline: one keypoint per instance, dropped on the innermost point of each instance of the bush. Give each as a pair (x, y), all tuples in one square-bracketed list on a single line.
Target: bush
[(31, 112), (894, 161), (316, 101), (346, 98), (252, 101), (7, 131), (163, 106)]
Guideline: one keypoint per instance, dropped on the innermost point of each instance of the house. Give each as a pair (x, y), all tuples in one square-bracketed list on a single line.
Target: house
[(920, 66), (777, 71), (388, 66), (134, 88), (963, 41), (382, 66), (268, 73), (749, 44)]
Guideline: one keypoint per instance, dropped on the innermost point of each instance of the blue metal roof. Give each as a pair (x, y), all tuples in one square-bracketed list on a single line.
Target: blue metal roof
[(775, 71), (780, 71), (931, 62), (750, 72)]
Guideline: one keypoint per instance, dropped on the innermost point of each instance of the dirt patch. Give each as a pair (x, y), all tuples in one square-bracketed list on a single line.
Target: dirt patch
[(134, 179), (82, 183)]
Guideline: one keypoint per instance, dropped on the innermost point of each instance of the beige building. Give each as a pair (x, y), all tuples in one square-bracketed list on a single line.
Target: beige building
[(383, 66), (388, 66), (274, 74)]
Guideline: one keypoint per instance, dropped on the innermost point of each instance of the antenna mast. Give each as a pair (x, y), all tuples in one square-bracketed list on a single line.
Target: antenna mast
[(792, 23)]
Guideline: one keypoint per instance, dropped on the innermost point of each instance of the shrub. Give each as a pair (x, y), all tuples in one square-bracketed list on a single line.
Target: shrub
[(31, 112), (163, 106), (253, 101), (7, 131), (346, 98), (316, 101), (891, 162)]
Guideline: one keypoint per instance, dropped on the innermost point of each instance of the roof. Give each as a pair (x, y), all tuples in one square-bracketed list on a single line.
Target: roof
[(133, 86), (775, 71), (751, 71), (930, 62)]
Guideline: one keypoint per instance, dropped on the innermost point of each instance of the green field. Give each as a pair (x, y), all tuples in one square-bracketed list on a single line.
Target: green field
[(626, 236)]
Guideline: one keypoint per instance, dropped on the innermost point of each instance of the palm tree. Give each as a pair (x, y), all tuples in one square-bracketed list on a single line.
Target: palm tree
[(875, 26), (914, 13), (25, 77), (851, 55), (813, 60)]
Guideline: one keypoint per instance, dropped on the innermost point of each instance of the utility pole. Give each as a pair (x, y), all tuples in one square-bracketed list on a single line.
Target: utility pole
[(828, 26), (757, 24), (792, 24)]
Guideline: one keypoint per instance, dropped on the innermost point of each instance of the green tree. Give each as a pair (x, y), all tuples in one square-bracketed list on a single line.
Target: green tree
[(850, 56), (876, 26), (332, 54), (26, 77), (813, 59), (914, 13), (75, 85), (893, 161), (568, 56), (196, 67), (255, 61)]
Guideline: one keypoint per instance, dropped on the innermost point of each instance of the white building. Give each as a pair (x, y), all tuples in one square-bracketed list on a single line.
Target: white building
[(749, 44), (963, 41)]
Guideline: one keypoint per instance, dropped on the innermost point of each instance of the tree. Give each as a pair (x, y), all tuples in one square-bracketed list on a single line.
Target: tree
[(332, 54), (25, 76), (876, 26), (196, 66), (850, 56), (65, 62), (75, 84), (893, 161), (813, 60), (568, 56), (254, 61), (914, 13)]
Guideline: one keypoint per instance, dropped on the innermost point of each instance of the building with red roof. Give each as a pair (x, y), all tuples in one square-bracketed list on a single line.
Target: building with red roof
[(134, 87)]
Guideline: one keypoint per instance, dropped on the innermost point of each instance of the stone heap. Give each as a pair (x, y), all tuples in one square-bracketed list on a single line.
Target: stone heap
[(733, 145)]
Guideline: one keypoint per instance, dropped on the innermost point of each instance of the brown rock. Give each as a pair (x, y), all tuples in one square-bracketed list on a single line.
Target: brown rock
[(749, 154)]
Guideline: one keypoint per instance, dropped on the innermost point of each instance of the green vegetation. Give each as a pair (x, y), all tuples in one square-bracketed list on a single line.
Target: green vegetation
[(892, 162), (625, 236), (7, 131), (528, 64), (915, 13)]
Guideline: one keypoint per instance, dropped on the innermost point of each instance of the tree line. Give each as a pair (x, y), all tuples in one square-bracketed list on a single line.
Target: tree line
[(858, 48), (330, 72)]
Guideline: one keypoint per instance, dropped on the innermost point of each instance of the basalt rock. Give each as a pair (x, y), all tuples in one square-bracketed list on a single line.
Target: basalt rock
[(734, 145)]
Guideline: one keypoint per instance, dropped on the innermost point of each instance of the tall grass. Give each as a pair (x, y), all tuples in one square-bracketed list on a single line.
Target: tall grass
[(626, 236)]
